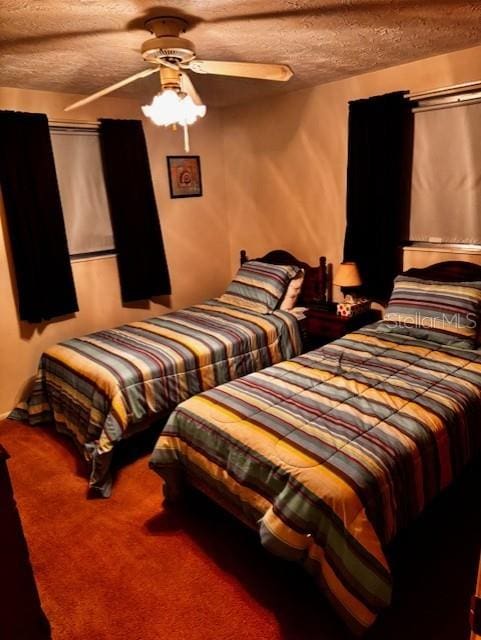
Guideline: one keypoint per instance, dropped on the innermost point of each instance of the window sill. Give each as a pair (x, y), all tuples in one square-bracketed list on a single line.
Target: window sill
[(93, 256), (444, 248)]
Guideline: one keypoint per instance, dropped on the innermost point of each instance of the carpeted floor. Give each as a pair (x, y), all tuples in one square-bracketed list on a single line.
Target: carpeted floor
[(126, 569)]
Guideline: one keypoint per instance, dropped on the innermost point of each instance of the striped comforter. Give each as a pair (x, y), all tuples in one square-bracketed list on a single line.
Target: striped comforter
[(99, 388), (331, 453)]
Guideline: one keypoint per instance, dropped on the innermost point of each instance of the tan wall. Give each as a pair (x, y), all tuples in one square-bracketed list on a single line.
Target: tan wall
[(194, 229), (286, 157)]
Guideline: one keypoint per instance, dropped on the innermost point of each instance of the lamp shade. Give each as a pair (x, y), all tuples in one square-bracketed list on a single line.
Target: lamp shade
[(347, 275)]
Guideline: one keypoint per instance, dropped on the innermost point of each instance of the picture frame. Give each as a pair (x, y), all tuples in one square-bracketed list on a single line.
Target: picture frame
[(185, 180)]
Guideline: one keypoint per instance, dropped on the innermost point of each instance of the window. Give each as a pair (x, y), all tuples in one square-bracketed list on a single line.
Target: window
[(82, 190), (446, 182)]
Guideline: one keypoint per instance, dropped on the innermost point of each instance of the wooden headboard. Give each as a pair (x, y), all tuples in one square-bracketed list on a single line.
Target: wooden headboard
[(317, 286), (279, 256), (450, 271)]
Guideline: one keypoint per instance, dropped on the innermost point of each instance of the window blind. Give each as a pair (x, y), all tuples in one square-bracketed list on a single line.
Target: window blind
[(82, 190), (446, 179)]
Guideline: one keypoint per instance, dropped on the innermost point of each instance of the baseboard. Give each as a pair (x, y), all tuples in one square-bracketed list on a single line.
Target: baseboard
[(5, 415)]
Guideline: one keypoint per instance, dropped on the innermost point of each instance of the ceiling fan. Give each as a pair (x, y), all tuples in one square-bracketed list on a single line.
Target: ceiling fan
[(173, 55)]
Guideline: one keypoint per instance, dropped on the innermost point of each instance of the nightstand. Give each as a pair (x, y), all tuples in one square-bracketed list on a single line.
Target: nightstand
[(322, 325)]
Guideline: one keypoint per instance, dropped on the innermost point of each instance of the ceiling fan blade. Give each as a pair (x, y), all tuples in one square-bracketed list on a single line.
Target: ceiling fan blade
[(279, 72), (190, 90), (168, 64), (113, 87)]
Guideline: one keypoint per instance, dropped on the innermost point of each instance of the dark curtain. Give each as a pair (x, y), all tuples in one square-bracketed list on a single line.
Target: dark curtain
[(378, 189), (141, 257), (34, 218)]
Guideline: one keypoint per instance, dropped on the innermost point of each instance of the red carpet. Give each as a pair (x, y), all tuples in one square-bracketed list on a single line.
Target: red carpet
[(126, 569)]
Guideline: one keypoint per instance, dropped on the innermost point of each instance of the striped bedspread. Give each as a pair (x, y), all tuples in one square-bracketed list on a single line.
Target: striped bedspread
[(100, 387), (331, 453)]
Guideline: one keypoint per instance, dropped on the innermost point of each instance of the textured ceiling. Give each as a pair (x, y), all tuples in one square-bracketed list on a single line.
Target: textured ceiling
[(82, 46)]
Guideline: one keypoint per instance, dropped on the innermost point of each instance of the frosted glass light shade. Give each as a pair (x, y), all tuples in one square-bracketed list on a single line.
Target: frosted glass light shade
[(172, 107), (347, 275)]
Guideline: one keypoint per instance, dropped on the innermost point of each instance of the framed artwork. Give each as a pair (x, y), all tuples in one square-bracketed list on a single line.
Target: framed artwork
[(184, 176)]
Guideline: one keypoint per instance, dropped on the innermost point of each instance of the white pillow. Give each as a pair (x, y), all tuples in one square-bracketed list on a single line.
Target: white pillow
[(292, 293)]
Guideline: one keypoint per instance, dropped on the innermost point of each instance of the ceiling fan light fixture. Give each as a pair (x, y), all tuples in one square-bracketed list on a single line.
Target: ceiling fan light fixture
[(171, 107), (178, 103)]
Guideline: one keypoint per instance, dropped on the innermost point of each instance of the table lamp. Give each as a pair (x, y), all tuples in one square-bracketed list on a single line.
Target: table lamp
[(347, 277)]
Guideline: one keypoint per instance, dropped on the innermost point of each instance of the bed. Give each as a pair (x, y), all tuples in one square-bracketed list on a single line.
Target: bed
[(104, 387), (330, 454)]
